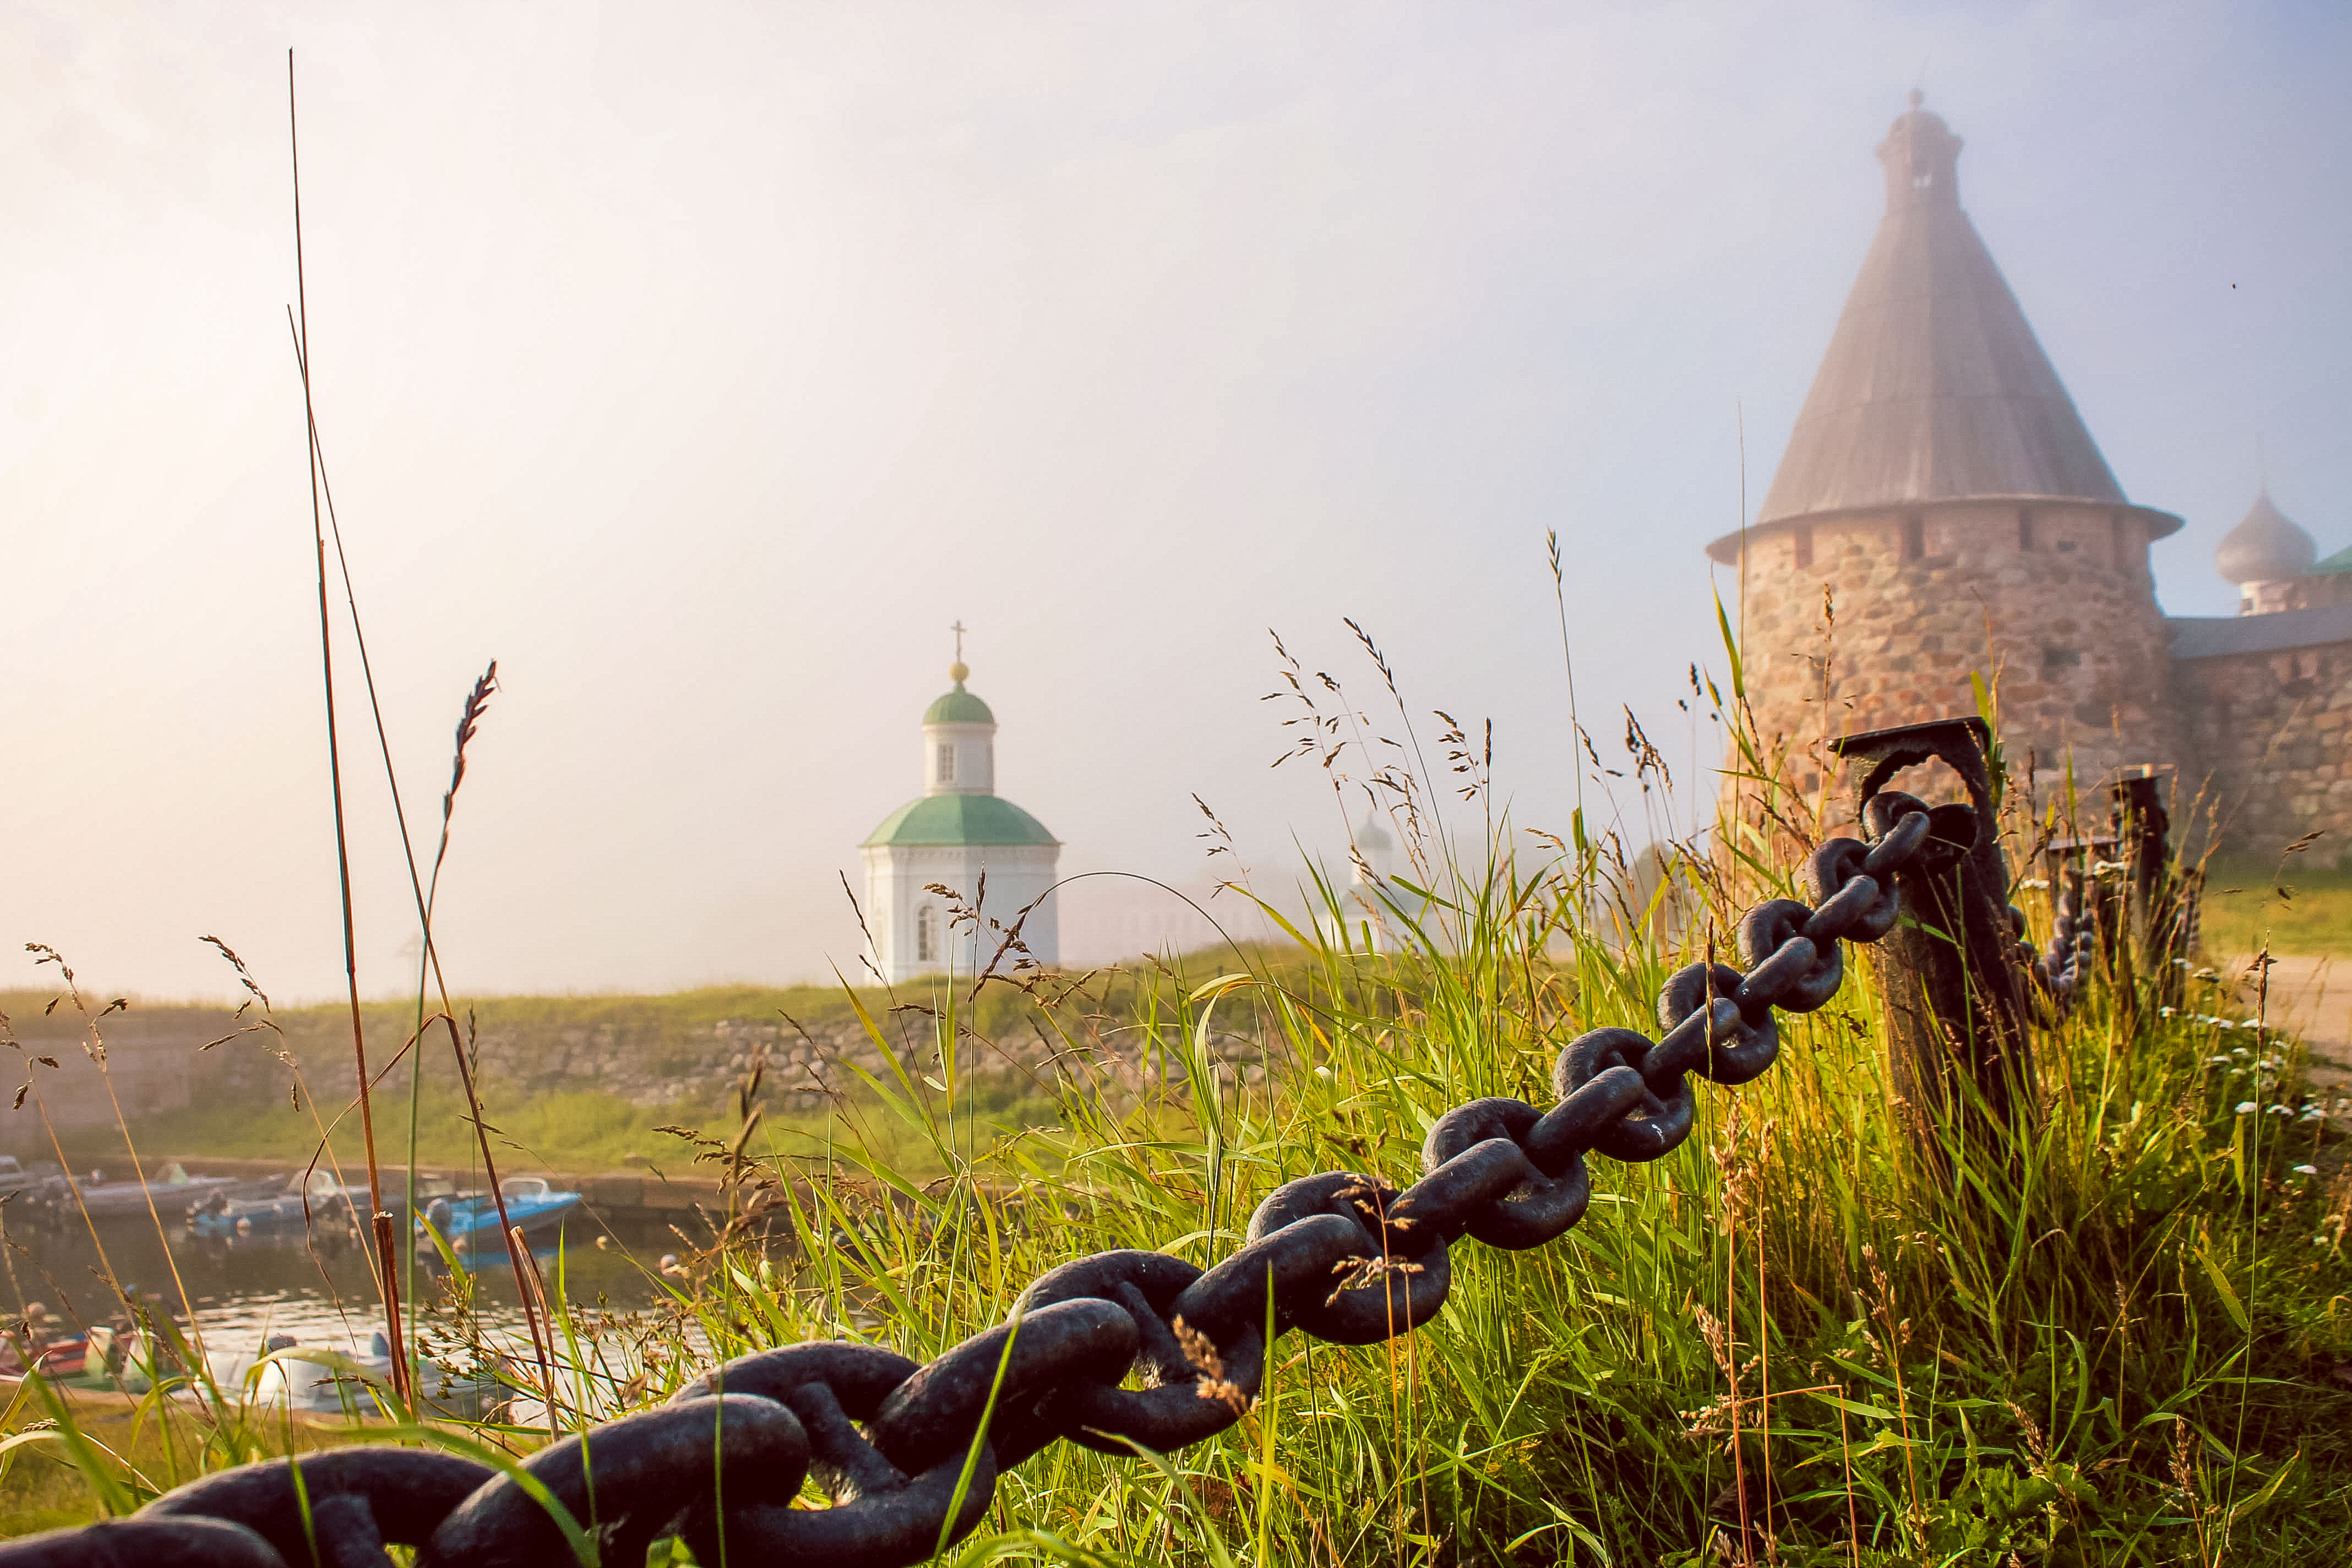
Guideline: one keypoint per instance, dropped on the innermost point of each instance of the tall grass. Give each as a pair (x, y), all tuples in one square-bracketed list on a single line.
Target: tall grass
[(2130, 1352), (1790, 1340)]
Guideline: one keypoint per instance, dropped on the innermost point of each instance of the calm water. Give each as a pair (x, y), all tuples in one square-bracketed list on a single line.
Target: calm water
[(244, 1291)]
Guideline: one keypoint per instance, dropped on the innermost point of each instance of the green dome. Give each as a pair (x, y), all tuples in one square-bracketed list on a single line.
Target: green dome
[(958, 707), (960, 819)]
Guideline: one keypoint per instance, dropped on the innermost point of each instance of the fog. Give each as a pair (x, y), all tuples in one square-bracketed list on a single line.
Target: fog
[(703, 366)]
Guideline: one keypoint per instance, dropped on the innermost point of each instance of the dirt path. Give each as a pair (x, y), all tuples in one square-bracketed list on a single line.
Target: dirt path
[(2313, 996)]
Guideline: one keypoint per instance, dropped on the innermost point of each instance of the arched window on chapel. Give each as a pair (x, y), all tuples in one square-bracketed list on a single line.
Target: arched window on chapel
[(927, 935)]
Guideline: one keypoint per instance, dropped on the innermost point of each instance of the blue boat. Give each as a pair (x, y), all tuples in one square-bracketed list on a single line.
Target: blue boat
[(469, 1222)]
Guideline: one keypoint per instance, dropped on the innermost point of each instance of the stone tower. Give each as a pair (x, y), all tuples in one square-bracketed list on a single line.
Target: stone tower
[(1941, 512)]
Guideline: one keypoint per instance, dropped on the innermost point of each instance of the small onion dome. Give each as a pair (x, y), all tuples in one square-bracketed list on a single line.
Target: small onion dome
[(1372, 838), (2266, 548)]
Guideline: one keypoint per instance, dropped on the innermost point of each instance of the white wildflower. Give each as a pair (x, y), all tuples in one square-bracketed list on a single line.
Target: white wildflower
[(2307, 1169), (2245, 1107)]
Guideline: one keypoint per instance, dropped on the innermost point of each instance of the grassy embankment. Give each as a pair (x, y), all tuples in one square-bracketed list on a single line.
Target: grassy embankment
[(535, 1127)]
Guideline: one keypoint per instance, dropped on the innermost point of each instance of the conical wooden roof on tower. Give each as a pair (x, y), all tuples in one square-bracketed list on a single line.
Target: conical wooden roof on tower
[(1934, 387)]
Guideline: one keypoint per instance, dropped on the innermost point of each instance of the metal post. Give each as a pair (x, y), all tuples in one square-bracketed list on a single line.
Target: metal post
[(1957, 1042)]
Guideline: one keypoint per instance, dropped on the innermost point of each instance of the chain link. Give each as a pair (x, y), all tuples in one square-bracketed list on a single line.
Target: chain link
[(2074, 942), (910, 1455)]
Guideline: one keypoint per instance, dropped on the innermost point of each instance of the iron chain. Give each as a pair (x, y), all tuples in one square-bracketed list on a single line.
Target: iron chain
[(2058, 970), (910, 1454)]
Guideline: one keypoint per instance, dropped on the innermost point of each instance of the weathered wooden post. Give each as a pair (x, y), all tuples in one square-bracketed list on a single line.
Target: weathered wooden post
[(2120, 888), (1956, 1020), (2163, 900)]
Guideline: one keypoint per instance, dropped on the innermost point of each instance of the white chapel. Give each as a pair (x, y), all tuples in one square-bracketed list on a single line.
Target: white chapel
[(958, 828)]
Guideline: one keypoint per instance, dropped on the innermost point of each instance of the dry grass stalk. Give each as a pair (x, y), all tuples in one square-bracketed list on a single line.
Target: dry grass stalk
[(334, 751)]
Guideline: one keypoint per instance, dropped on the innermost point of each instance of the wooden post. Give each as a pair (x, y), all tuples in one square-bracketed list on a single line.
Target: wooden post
[(1957, 1045)]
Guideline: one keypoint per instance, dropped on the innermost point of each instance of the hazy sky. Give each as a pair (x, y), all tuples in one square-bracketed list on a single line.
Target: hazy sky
[(702, 364)]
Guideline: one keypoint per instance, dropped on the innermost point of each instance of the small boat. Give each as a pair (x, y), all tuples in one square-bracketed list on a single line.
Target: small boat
[(63, 1357), (469, 1222), (16, 1177), (303, 1203), (169, 1191), (122, 1356), (327, 1382)]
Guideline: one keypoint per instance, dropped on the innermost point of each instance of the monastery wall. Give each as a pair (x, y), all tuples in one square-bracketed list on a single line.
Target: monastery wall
[(2057, 598), (2271, 733)]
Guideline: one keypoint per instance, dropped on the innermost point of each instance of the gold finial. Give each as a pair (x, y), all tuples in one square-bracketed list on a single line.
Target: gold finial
[(958, 671)]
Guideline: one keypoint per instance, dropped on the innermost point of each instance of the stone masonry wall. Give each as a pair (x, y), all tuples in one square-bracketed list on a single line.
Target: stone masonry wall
[(2057, 598), (654, 1068), (2273, 733)]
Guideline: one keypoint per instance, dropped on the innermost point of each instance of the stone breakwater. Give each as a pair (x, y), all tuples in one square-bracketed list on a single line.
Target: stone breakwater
[(804, 1065), (159, 1059)]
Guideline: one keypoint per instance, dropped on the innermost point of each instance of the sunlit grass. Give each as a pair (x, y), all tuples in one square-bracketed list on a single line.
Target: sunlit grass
[(2292, 905), (2121, 1335)]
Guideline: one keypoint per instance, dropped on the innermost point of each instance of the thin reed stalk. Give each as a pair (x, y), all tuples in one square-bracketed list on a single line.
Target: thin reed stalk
[(387, 1278)]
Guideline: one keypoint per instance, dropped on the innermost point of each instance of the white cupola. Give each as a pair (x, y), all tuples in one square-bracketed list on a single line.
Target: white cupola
[(959, 742)]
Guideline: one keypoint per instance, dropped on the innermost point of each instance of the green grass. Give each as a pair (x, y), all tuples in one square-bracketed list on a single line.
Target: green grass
[(2294, 907), (2122, 1350), (2121, 1335), (42, 1488), (577, 1129), (2125, 1348)]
